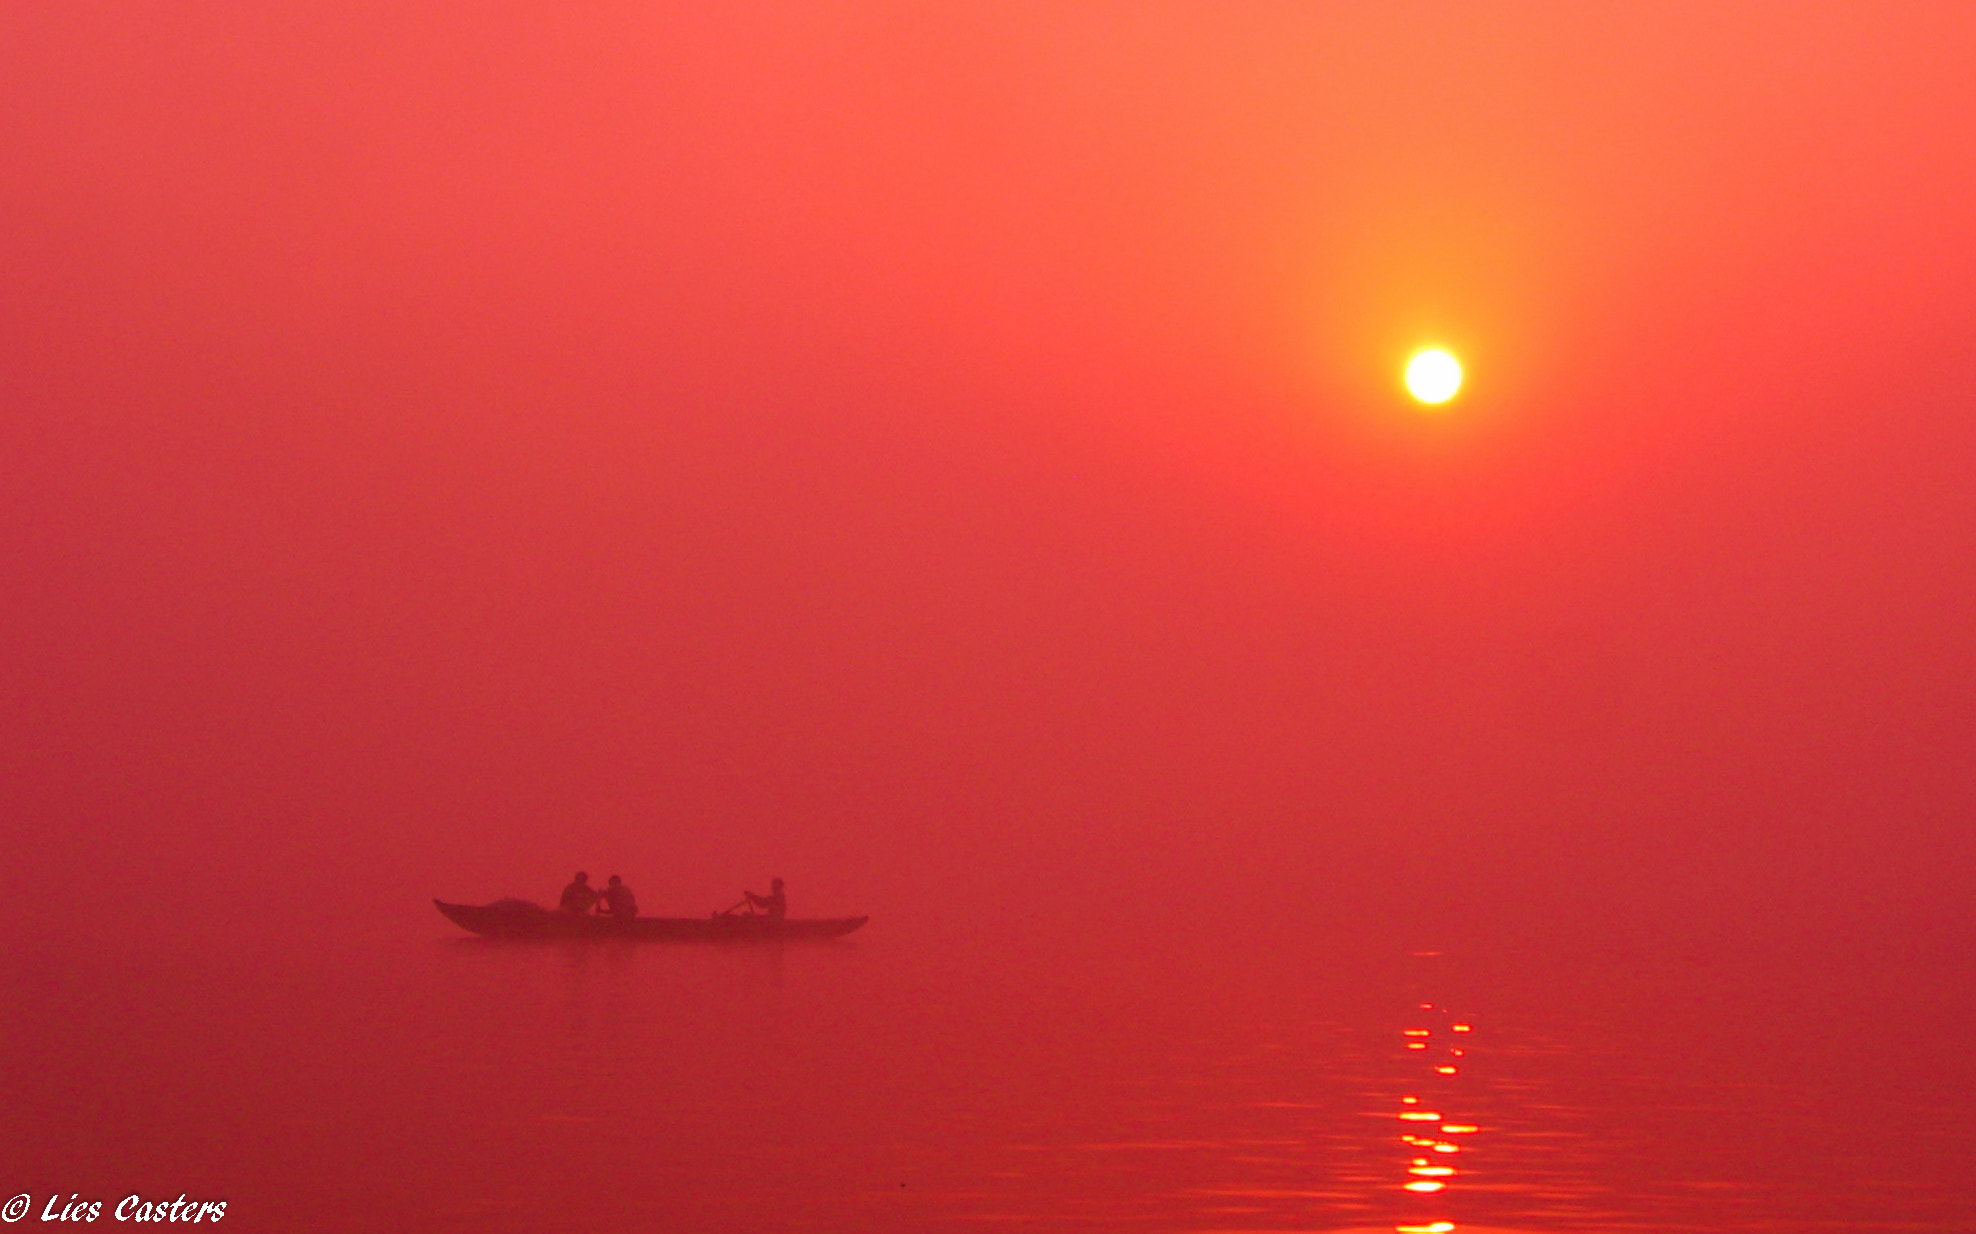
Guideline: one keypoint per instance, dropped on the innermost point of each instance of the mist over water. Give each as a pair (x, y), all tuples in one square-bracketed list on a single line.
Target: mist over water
[(911, 1079), (952, 457)]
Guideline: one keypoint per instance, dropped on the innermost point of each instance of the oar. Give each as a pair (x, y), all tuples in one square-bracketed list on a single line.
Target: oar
[(729, 912)]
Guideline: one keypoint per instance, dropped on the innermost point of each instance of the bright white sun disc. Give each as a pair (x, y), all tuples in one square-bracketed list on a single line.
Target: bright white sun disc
[(1433, 376)]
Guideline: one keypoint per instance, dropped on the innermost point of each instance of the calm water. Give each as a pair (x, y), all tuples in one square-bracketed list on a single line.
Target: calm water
[(895, 1083)]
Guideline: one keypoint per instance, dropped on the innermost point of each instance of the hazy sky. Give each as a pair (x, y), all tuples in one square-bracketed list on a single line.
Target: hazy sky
[(956, 450)]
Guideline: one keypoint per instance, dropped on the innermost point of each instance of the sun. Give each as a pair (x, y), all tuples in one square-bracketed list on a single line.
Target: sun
[(1433, 376)]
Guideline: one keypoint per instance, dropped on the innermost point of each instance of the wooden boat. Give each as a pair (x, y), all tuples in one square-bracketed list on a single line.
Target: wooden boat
[(522, 919)]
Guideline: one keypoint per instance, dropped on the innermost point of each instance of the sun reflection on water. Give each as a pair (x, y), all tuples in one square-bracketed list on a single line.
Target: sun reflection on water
[(1430, 1175)]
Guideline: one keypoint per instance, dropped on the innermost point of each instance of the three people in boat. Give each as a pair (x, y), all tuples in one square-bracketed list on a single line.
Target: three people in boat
[(616, 899), (774, 904)]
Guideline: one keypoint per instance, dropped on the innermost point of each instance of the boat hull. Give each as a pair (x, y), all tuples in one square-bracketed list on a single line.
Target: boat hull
[(515, 919)]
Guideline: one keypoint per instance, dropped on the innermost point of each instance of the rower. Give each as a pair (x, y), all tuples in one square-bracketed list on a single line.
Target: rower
[(775, 904), (618, 900), (579, 896)]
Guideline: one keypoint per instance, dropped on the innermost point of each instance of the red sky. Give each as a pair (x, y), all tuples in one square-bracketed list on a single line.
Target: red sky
[(955, 451)]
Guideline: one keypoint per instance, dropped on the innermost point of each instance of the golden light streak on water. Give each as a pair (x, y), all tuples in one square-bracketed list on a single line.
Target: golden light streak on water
[(1432, 1171)]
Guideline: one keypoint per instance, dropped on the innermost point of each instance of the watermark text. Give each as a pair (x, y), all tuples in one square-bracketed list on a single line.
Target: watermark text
[(130, 1208)]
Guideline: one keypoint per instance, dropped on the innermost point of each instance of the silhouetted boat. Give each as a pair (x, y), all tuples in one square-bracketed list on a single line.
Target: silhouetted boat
[(521, 919)]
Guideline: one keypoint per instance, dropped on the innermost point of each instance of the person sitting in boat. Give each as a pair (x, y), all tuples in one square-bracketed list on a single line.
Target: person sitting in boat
[(618, 900), (775, 904), (579, 896)]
